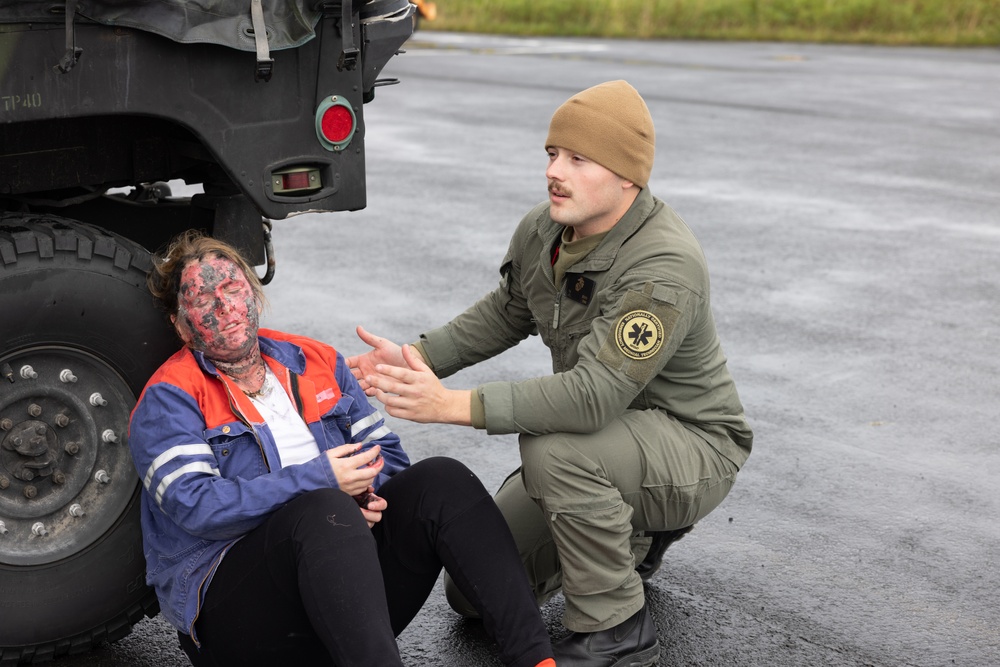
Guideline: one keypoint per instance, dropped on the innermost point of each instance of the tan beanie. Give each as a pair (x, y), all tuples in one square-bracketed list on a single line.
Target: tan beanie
[(610, 125)]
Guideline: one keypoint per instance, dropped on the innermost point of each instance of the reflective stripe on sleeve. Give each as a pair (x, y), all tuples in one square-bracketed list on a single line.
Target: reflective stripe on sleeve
[(362, 424), (380, 432), (172, 453), (197, 466)]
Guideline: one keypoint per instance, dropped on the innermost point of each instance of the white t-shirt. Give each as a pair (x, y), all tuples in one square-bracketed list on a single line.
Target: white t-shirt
[(295, 441)]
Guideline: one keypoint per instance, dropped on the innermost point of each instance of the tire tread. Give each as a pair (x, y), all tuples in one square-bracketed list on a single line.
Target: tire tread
[(45, 236), (115, 629)]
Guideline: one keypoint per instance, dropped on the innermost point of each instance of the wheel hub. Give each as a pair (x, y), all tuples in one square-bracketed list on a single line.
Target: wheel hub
[(26, 451), (66, 473)]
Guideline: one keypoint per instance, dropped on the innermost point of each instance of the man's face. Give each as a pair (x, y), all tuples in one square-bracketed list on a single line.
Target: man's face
[(217, 312), (584, 195)]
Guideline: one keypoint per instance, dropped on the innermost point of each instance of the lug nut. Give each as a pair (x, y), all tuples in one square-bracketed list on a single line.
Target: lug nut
[(102, 476), (62, 421), (66, 375), (76, 510), (109, 436), (30, 492), (6, 423), (97, 400), (58, 477), (27, 475), (39, 529), (4, 482), (35, 410), (72, 448), (28, 373)]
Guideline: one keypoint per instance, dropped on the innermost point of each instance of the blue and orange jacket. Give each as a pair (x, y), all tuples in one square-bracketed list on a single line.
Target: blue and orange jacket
[(209, 466)]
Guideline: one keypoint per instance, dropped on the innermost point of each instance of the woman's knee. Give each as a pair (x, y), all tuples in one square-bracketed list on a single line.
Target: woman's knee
[(447, 477), (317, 500), (319, 508), (432, 492)]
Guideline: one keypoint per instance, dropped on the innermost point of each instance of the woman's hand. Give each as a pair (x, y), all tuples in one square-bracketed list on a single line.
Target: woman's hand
[(355, 472), (372, 506), (384, 351)]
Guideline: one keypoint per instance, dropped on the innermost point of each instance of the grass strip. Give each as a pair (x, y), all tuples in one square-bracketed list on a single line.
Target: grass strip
[(894, 22)]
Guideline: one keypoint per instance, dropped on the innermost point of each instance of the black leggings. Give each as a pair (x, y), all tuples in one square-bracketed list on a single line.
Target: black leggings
[(313, 585)]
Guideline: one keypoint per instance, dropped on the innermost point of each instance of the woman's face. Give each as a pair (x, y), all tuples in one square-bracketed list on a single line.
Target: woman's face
[(217, 311)]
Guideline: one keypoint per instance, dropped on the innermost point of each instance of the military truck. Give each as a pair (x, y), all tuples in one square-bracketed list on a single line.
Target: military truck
[(104, 103)]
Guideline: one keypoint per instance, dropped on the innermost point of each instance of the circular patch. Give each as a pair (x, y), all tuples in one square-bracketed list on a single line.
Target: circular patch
[(639, 334)]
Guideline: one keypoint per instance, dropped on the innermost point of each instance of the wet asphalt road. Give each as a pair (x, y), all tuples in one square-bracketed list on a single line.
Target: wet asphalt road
[(847, 201)]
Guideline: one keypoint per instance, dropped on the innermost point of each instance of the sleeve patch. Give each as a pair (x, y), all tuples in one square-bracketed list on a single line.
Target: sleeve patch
[(639, 334), (634, 343)]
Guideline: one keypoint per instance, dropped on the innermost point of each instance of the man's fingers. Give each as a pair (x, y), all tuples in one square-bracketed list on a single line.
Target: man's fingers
[(381, 387), (391, 383), (413, 359), (387, 399), (369, 338), (395, 406), (394, 372), (365, 336), (355, 361)]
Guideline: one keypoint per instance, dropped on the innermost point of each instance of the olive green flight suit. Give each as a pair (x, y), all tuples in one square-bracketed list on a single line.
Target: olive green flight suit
[(638, 428)]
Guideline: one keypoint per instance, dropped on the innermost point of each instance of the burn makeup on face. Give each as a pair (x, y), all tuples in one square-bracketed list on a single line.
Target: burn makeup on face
[(217, 310)]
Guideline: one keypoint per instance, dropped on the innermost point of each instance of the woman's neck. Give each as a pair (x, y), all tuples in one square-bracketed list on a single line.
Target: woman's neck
[(248, 373)]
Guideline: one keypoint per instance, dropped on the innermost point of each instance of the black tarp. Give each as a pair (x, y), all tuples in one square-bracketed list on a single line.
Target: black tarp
[(289, 23)]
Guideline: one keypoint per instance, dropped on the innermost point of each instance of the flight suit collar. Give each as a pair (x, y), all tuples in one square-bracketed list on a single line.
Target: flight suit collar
[(603, 256)]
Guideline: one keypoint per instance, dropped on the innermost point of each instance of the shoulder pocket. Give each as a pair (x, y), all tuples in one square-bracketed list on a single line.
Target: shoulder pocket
[(645, 322)]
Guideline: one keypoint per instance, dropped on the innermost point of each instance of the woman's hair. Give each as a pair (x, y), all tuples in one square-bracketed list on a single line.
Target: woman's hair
[(164, 279)]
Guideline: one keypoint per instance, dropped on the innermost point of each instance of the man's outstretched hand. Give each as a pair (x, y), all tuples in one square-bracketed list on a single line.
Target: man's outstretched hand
[(383, 351), (413, 392)]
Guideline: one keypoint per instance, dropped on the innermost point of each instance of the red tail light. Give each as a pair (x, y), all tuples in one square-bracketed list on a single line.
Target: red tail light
[(296, 180), (335, 123)]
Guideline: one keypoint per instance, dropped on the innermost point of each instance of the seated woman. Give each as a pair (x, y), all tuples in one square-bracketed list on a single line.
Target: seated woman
[(282, 521)]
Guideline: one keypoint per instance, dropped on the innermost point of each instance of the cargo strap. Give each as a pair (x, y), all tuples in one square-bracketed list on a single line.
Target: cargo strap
[(349, 53), (265, 63), (72, 55)]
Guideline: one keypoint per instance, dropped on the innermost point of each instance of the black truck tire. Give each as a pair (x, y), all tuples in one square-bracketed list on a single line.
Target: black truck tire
[(79, 337)]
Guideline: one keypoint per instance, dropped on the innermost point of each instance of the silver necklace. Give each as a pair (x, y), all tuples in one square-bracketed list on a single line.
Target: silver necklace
[(265, 389)]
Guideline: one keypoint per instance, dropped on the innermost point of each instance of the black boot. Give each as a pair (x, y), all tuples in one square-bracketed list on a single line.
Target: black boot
[(631, 643), (654, 557)]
